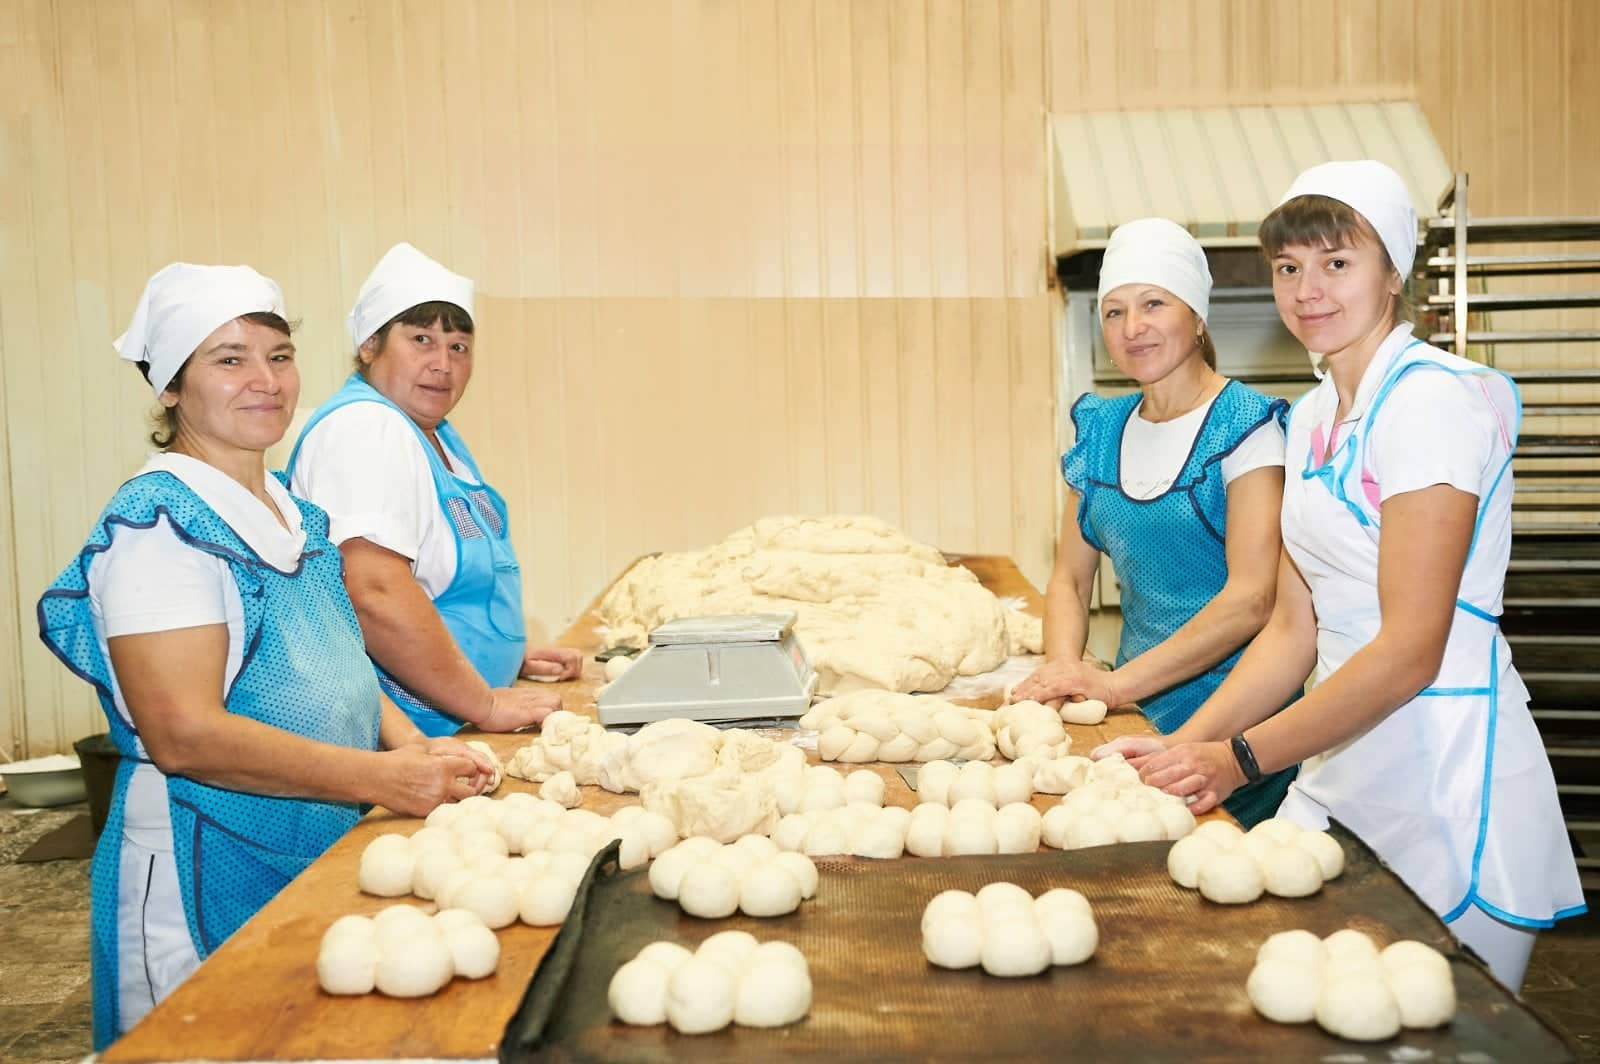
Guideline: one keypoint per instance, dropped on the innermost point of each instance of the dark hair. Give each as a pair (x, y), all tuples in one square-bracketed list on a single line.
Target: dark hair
[(165, 418), (447, 316), (1321, 222)]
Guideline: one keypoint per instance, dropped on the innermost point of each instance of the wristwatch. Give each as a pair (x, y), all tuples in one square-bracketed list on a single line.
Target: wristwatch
[(1246, 758)]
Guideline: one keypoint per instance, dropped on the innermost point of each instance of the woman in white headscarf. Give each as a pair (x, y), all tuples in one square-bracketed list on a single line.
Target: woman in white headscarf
[(1180, 483), (207, 611), (426, 541), (1416, 733)]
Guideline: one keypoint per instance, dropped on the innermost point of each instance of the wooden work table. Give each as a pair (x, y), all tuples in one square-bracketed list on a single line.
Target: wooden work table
[(257, 997)]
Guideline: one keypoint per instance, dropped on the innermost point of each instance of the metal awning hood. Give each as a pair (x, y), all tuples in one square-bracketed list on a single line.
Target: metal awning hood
[(1220, 170)]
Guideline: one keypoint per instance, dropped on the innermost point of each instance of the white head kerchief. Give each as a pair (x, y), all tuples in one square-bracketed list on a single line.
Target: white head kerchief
[(1156, 251), (1373, 191), (403, 278), (182, 305)]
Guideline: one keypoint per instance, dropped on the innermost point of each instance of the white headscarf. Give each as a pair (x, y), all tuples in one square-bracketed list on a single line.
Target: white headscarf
[(403, 278), (182, 305), (1156, 251), (1373, 191)]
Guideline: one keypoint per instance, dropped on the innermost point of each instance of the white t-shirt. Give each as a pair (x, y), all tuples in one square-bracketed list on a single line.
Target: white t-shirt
[(1154, 453), (149, 580), (366, 466)]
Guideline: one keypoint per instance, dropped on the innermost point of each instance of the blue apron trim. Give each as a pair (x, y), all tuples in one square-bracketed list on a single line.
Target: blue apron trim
[(1512, 918)]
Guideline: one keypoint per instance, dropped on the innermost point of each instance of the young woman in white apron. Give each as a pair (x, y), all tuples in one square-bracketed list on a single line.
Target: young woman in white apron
[(1416, 733)]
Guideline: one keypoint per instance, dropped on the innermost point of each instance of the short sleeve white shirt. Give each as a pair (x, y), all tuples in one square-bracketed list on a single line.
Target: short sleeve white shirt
[(365, 465), (1154, 453)]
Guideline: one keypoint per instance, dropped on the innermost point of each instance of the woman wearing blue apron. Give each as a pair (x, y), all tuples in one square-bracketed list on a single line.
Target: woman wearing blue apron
[(1416, 733), (1180, 483), (426, 541), (207, 611)]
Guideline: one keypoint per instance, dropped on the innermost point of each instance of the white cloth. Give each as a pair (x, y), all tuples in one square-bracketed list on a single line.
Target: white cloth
[(403, 278), (149, 580), (1154, 453), (1412, 786), (1156, 251), (182, 304), (1504, 947), (364, 464), (1373, 191), (154, 949)]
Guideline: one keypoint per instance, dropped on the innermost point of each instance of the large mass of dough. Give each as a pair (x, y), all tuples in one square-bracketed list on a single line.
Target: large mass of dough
[(1349, 987), (404, 952), (731, 978), (873, 725), (1008, 931), (874, 608)]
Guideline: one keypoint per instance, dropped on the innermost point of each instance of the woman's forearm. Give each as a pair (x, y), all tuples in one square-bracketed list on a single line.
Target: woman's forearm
[(1231, 619), (1066, 621), (395, 729), (1271, 670), (237, 753)]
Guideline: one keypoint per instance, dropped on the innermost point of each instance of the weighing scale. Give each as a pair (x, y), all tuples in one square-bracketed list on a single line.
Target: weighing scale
[(714, 669)]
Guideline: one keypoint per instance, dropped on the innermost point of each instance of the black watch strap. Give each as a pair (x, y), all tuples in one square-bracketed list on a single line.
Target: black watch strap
[(1246, 758)]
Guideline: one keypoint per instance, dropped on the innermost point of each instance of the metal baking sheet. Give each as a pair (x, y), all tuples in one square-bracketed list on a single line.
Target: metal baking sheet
[(1166, 984)]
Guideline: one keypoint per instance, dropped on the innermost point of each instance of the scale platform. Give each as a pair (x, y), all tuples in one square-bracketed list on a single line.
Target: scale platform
[(714, 669)]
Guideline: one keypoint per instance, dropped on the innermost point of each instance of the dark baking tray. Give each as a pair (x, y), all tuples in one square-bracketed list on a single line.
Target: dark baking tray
[(1166, 984)]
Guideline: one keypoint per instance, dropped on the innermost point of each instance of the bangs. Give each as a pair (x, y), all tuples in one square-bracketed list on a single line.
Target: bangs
[(1318, 222), (446, 316)]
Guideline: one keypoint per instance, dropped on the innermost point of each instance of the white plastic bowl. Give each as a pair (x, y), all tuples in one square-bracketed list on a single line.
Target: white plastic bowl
[(44, 781)]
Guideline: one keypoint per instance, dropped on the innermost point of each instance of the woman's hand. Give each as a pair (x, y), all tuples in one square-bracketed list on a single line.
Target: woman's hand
[(1209, 771), (417, 781), (559, 663), (1135, 749), (514, 708), (444, 746), (1073, 681)]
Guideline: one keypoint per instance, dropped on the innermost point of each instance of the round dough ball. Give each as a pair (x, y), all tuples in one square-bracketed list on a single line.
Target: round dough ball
[(819, 798), (1425, 995), (1017, 828), (953, 942), (615, 667), (425, 839), (1350, 946), (472, 842), (826, 839), (573, 866), (1297, 947), (492, 898), (634, 851), (1072, 933), (757, 846), (1053, 826), (1089, 711), (700, 847), (545, 902), (925, 833), (1012, 783), (802, 868), (864, 785), (667, 954), (387, 865), (421, 968), (445, 893), (1325, 848), (1224, 834), (731, 949), (1187, 856), (1015, 948), (768, 890), (1285, 991), (472, 822), (772, 992), (637, 993), (474, 950), (359, 926), (1061, 899), (790, 834), (1278, 829), (1001, 894), (1405, 953), (443, 815), (347, 963), (399, 922), (487, 863), (974, 780), (701, 996), (1358, 1008), (933, 782), (1140, 827), (431, 871), (877, 839), (952, 905), (1290, 872), (1176, 820), (660, 832), (1230, 879), (710, 892), (778, 952), (667, 872), (969, 835)]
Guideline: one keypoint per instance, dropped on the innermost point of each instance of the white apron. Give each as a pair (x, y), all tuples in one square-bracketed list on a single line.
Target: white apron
[(1453, 789)]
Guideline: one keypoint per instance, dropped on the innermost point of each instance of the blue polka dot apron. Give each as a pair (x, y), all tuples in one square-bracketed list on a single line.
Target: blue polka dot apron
[(1453, 789), (482, 607), (1170, 551), (304, 669)]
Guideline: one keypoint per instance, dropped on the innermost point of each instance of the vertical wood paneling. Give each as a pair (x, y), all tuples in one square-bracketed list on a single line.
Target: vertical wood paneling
[(734, 258)]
